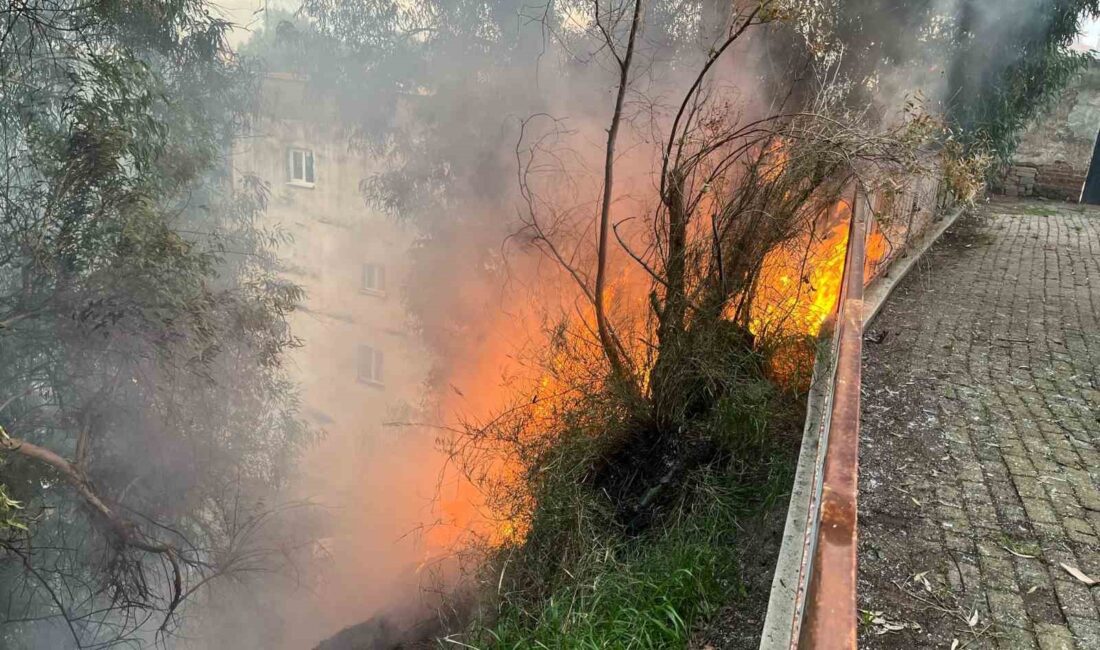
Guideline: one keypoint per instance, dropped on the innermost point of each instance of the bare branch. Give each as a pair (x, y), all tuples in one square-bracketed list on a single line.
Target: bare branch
[(610, 345)]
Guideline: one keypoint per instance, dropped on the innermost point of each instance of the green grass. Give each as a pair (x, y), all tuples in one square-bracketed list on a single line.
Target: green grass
[(637, 510), (1039, 211), (653, 591), (647, 601)]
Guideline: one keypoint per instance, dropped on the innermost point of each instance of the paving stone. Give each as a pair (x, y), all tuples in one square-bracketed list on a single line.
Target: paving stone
[(1032, 574), (1075, 599), (1079, 530), (1050, 533), (1086, 632), (990, 370), (1066, 457), (1008, 609), (1012, 514), (1054, 637), (957, 542), (1066, 505), (1028, 486), (1040, 510), (1042, 606), (1019, 466), (1094, 519), (998, 573), (1013, 638), (1056, 556)]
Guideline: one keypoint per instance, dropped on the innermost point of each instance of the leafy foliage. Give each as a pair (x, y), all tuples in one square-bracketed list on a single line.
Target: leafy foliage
[(995, 91), (653, 590), (141, 321), (999, 63)]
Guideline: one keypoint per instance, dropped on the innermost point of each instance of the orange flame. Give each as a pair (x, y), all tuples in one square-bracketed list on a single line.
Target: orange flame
[(800, 282), (797, 292)]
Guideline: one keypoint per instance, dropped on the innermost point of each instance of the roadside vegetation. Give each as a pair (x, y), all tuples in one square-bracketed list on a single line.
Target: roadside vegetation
[(654, 589), (145, 418)]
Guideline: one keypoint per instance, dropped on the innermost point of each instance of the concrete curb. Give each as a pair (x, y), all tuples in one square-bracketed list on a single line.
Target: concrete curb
[(786, 593), (785, 601)]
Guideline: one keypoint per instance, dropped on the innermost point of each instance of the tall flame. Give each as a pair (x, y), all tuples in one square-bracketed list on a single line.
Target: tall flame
[(797, 292)]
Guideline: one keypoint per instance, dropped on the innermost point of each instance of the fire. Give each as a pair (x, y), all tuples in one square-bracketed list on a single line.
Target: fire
[(877, 250), (519, 369), (800, 282)]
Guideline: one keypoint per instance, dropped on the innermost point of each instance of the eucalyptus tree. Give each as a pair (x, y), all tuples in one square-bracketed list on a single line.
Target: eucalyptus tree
[(995, 63), (144, 414), (1010, 61)]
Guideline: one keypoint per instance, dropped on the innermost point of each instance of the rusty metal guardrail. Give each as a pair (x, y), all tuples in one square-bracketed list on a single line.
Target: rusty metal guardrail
[(830, 612), (813, 602)]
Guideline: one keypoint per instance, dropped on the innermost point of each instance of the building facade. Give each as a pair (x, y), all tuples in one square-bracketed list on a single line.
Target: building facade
[(360, 365)]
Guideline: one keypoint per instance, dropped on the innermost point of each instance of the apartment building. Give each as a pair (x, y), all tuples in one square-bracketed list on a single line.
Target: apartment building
[(360, 366)]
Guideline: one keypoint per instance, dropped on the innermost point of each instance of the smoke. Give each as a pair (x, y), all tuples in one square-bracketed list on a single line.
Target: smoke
[(952, 55), (451, 124), (468, 301)]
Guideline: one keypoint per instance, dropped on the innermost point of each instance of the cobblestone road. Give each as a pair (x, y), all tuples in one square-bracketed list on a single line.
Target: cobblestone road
[(980, 468)]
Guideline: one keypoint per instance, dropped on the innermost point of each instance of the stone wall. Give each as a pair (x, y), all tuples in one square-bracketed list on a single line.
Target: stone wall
[(1058, 180), (1054, 153)]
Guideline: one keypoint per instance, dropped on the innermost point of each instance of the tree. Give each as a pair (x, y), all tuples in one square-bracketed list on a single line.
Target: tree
[(999, 63), (144, 413), (1009, 63)]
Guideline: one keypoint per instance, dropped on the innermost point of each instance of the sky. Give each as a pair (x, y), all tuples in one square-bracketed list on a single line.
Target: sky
[(1090, 35), (248, 15)]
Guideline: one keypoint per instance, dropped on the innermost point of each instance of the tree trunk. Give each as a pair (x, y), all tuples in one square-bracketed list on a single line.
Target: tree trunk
[(118, 528), (672, 315), (611, 346)]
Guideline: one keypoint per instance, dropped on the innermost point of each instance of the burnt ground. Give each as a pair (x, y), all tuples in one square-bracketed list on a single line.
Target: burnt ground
[(980, 450)]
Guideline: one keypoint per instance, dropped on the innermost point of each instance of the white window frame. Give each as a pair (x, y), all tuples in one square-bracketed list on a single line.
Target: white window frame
[(375, 376), (377, 273), (308, 173)]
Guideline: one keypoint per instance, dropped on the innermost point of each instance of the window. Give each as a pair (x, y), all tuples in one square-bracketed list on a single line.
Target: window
[(370, 365), (374, 279), (301, 167)]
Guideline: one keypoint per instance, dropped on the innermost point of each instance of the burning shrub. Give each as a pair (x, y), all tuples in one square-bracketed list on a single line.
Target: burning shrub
[(661, 398), (590, 468)]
